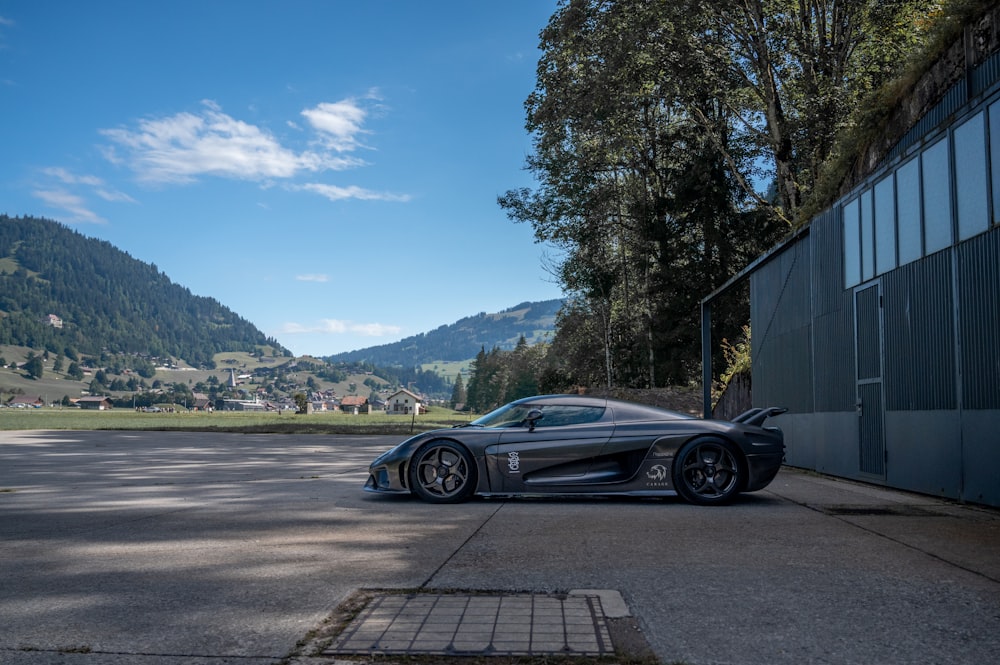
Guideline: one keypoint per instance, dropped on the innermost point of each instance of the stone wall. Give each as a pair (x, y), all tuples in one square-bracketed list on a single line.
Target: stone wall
[(979, 40)]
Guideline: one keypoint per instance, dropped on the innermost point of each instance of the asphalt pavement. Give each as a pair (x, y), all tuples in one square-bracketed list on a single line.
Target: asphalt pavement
[(168, 548)]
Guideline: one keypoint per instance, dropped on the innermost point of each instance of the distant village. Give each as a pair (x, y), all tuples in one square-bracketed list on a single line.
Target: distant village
[(225, 396)]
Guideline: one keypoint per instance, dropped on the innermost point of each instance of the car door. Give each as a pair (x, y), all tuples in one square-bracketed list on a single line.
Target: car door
[(558, 450)]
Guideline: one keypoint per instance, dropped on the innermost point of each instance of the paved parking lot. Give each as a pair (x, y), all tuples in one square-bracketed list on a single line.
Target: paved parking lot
[(169, 548)]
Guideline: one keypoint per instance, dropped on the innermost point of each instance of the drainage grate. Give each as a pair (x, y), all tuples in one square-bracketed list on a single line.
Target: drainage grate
[(456, 624)]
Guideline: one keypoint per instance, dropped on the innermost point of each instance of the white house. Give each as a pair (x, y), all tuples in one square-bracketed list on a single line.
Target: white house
[(403, 402)]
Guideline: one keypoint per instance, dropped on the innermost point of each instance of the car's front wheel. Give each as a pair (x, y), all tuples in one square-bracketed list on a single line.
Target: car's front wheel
[(709, 471), (442, 472)]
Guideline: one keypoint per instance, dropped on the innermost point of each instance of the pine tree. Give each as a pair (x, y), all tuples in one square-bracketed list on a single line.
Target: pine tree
[(458, 394)]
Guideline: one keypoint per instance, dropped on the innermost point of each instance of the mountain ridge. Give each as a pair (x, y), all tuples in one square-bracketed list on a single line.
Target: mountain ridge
[(463, 339), (105, 300)]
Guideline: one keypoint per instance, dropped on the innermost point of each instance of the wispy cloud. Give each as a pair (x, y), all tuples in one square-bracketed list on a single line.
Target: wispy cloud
[(338, 327), (336, 193), (70, 203), (70, 192), (312, 278), (98, 185)]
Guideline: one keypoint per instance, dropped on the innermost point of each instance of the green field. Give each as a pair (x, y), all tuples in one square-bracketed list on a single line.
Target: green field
[(449, 369), (53, 386), (54, 418)]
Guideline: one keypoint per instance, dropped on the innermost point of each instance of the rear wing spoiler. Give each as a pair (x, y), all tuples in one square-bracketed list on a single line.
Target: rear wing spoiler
[(757, 416)]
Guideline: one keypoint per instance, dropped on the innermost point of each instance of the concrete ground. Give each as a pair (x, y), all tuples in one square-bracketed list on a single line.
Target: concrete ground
[(168, 548)]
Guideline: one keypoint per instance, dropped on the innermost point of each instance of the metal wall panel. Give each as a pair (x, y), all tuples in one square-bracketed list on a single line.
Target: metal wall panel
[(833, 358), (920, 336), (981, 457), (827, 235), (986, 75), (833, 309), (781, 320), (979, 320)]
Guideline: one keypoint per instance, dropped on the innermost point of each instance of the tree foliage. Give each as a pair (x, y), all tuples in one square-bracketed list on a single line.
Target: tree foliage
[(499, 376), (458, 394), (672, 144), (34, 366)]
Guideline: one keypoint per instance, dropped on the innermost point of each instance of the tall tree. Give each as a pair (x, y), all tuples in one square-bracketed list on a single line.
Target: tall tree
[(802, 67), (653, 124), (34, 366), (632, 187), (458, 394)]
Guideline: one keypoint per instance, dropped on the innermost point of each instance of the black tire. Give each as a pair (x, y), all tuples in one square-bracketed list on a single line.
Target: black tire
[(442, 472), (709, 472)]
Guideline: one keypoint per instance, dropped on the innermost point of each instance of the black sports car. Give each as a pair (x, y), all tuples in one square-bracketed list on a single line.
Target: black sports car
[(576, 445)]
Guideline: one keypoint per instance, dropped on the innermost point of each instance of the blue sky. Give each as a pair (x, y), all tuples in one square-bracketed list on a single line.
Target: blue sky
[(327, 169)]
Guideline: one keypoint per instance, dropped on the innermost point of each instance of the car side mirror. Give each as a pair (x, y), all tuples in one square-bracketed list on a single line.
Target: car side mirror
[(533, 417)]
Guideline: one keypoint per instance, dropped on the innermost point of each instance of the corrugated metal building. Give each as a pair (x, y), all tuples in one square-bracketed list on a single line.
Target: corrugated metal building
[(878, 324)]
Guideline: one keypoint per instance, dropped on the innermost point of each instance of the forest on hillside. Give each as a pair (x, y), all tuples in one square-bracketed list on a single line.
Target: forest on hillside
[(106, 301)]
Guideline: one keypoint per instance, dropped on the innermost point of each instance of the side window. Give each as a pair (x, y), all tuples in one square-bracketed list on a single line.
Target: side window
[(995, 158), (852, 243), (867, 237), (556, 416), (885, 225), (970, 177), (908, 212), (936, 180)]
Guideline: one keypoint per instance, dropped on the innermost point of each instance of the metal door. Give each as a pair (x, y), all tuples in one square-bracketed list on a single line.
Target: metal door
[(868, 351)]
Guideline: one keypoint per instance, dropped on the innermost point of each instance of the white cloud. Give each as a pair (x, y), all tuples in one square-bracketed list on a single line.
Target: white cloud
[(70, 203), (184, 147), (312, 278), (179, 148), (338, 327), (339, 123), (337, 193)]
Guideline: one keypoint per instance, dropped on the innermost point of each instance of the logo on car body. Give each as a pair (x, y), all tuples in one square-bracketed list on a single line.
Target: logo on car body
[(657, 473), (514, 462)]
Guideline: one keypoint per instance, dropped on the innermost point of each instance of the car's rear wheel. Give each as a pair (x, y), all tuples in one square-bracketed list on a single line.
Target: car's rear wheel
[(443, 472), (709, 471)]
